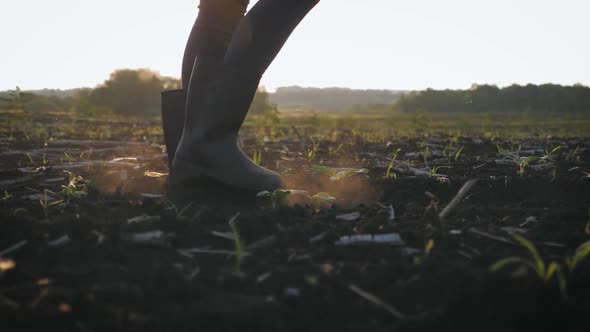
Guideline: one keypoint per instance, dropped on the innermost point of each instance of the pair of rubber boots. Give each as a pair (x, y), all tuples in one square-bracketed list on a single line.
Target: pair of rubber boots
[(201, 129)]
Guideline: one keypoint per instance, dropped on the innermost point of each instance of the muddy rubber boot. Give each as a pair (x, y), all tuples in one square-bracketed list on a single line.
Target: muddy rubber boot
[(208, 147), (173, 106)]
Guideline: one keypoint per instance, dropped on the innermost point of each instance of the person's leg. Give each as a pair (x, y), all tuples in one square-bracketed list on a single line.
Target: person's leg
[(208, 145), (260, 36), (203, 58), (264, 31), (211, 33)]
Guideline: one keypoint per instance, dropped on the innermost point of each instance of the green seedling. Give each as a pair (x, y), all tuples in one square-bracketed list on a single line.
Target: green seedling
[(68, 157), (322, 200), (46, 203), (426, 154), (257, 157), (178, 213), (580, 254), (434, 170), (428, 247), (389, 173), (451, 150), (336, 175), (70, 193), (315, 147), (237, 242), (521, 162), (574, 155), (458, 153), (543, 270), (76, 188), (549, 154), (337, 150), (524, 162), (512, 151), (5, 196), (30, 158)]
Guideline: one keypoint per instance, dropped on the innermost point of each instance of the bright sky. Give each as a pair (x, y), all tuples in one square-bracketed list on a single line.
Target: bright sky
[(383, 44)]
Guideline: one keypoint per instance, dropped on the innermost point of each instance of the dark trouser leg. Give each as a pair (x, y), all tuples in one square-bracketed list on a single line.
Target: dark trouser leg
[(216, 110), (263, 32), (256, 42), (211, 33)]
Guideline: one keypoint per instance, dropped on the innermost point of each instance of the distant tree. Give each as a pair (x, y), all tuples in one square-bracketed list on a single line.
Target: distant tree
[(547, 98), (331, 99), (82, 105), (18, 99), (132, 92), (261, 106), (40, 104), (261, 103)]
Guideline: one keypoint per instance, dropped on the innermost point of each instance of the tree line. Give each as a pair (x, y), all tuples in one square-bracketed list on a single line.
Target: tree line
[(333, 99), (137, 93), (550, 98), (127, 92)]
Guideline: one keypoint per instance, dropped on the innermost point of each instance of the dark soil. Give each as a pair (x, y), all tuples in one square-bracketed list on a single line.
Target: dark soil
[(88, 265)]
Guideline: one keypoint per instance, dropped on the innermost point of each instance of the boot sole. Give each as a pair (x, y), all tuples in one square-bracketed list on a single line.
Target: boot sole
[(202, 188)]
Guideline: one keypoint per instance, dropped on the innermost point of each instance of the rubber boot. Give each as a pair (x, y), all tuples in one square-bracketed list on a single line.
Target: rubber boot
[(173, 106), (208, 147), (208, 41)]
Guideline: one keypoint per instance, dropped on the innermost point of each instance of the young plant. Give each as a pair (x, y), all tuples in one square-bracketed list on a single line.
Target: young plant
[(76, 188), (313, 150), (322, 200), (237, 242), (335, 174), (178, 213), (581, 253), (426, 154), (30, 158), (521, 162), (433, 171), (524, 162), (574, 155), (5, 196), (257, 157), (451, 150), (549, 154), (512, 151), (389, 173), (46, 202), (68, 157), (543, 270), (458, 153), (335, 151), (428, 247)]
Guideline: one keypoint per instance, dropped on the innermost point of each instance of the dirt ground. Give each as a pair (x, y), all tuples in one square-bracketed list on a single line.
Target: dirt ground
[(90, 242)]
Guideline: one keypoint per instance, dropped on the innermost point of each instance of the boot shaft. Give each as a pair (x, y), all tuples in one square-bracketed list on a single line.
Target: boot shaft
[(173, 107), (218, 109)]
